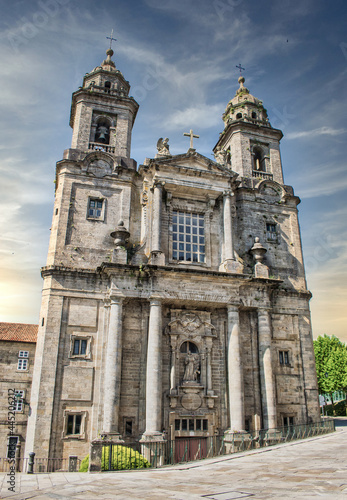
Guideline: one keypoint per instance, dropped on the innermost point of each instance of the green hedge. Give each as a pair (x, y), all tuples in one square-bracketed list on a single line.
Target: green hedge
[(340, 409), (122, 458)]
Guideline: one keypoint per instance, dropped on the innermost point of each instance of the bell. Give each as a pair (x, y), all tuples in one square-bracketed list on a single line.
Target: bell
[(102, 134)]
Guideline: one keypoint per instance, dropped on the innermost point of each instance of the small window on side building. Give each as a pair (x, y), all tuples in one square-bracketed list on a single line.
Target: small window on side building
[(23, 360), (284, 357)]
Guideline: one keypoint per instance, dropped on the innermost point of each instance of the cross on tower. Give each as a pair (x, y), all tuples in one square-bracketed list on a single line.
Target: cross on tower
[(240, 68), (111, 39), (191, 135)]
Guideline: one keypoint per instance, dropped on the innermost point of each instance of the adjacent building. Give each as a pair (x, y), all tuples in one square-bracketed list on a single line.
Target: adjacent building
[(17, 353), (174, 302)]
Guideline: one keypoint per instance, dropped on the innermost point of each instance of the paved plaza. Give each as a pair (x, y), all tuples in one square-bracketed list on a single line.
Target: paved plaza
[(312, 468)]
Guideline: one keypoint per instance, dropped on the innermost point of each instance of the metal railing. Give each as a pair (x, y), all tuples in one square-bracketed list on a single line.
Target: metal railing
[(157, 454), (41, 465)]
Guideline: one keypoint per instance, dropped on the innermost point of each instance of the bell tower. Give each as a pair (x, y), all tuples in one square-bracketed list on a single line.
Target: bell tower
[(248, 144), (102, 113)]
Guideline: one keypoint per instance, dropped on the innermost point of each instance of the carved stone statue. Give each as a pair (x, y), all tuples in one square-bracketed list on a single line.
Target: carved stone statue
[(192, 364), (163, 147)]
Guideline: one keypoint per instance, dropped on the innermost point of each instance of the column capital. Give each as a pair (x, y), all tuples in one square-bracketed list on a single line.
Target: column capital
[(157, 183), (233, 307), (228, 193), (155, 299)]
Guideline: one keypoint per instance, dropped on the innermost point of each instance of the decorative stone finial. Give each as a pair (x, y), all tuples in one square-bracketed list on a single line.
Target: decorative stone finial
[(242, 89), (106, 63), (120, 235), (258, 251)]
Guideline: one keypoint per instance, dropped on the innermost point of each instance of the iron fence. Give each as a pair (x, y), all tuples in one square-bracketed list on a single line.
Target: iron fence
[(42, 464), (159, 453), (155, 454)]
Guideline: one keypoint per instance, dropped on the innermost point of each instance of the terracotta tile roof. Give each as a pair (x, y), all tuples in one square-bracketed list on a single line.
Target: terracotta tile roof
[(18, 332)]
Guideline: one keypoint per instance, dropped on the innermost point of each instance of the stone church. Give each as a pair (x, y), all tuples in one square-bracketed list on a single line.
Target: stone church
[(174, 301)]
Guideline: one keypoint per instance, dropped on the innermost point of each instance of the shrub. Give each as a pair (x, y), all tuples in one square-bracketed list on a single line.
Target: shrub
[(340, 409), (122, 458)]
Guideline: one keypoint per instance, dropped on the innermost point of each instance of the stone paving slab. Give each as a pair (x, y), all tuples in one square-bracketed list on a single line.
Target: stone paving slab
[(307, 469)]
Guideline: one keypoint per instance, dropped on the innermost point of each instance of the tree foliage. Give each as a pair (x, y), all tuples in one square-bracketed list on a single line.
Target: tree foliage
[(331, 364)]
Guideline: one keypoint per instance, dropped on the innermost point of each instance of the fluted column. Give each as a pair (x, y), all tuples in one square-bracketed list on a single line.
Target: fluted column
[(113, 365), (266, 373), (236, 398), (153, 374)]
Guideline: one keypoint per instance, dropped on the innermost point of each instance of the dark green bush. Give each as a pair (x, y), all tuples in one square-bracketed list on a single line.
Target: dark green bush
[(122, 458), (340, 409)]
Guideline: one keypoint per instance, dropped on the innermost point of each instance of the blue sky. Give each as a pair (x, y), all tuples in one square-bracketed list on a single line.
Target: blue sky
[(180, 59)]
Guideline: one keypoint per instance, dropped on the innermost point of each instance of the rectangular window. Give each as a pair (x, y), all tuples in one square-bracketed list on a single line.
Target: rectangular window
[(188, 237), (80, 347), (177, 424), (19, 396), (288, 421), (184, 425), (12, 446), (23, 360), (74, 423), (205, 425), (96, 208), (198, 424), (271, 231), (284, 357), (128, 427)]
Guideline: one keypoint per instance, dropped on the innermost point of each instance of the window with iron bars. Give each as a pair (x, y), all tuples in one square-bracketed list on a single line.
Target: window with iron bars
[(188, 237)]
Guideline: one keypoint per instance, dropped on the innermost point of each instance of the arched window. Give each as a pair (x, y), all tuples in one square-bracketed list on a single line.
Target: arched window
[(189, 347), (102, 133), (107, 87), (254, 115), (238, 116), (258, 160)]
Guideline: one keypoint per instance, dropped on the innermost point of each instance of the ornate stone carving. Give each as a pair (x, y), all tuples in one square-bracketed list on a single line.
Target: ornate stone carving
[(163, 147), (99, 168)]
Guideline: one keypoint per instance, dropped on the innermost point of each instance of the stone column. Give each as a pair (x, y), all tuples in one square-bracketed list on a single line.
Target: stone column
[(209, 367), (266, 373), (229, 265), (153, 374), (228, 227), (236, 397), (173, 364), (113, 365), (157, 256)]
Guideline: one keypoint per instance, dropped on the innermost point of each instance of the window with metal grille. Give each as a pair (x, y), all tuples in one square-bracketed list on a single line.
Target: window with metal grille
[(288, 421), (188, 237), (12, 446)]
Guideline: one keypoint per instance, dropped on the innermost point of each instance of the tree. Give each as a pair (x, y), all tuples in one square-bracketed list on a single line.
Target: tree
[(331, 365)]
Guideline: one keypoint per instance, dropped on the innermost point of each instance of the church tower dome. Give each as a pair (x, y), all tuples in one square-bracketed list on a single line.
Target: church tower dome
[(249, 145), (102, 112), (244, 106)]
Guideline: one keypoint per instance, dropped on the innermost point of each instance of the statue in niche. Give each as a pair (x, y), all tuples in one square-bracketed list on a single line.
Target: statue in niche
[(163, 147), (192, 365)]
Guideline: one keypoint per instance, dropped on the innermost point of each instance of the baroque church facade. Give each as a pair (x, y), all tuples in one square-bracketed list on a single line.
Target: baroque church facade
[(174, 301)]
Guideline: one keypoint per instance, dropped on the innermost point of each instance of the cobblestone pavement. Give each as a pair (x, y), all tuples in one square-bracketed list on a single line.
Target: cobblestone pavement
[(312, 468)]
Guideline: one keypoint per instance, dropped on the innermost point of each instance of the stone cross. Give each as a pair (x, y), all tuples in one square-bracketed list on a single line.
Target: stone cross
[(111, 39), (191, 135)]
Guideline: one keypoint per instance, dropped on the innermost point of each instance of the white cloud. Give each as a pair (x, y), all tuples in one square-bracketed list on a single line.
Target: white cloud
[(316, 133)]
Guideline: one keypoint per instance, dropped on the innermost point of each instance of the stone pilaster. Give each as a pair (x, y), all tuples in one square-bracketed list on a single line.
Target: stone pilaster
[(153, 373), (113, 365), (236, 398), (229, 264), (267, 381), (157, 257)]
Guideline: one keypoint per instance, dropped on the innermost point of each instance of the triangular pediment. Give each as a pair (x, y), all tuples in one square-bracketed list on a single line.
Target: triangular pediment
[(193, 160)]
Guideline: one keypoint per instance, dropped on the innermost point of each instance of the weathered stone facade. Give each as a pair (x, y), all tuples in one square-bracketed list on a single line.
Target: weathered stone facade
[(174, 300)]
